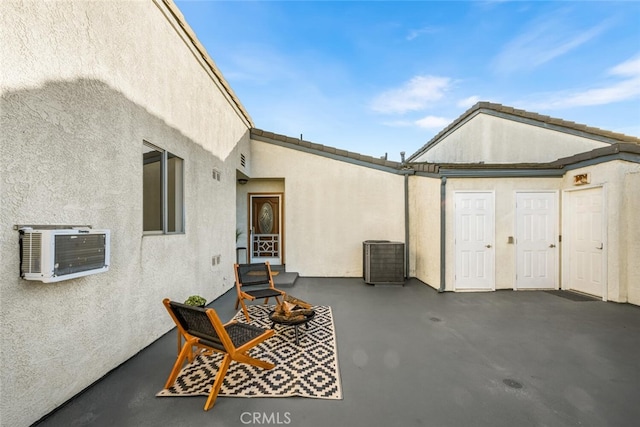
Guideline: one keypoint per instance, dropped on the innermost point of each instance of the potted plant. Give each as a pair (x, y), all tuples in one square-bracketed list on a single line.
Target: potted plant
[(196, 300)]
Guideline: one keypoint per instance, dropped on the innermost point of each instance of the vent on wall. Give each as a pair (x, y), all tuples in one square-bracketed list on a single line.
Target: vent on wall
[(243, 160), (63, 254), (383, 262)]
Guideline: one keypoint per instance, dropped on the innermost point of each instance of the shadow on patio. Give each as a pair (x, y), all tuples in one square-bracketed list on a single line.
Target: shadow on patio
[(410, 356)]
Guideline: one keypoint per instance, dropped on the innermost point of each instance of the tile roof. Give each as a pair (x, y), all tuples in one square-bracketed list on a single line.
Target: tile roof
[(489, 107), (622, 146), (321, 149), (621, 150)]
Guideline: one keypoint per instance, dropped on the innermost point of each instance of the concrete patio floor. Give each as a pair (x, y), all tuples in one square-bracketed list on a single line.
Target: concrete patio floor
[(409, 356)]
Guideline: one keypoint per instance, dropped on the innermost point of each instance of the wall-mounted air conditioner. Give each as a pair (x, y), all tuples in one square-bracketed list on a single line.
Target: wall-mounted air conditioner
[(63, 254)]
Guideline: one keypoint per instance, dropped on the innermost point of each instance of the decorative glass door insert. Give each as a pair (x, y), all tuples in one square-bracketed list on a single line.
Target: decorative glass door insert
[(266, 244)]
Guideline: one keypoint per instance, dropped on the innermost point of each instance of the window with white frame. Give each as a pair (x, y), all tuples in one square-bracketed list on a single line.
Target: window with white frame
[(163, 198)]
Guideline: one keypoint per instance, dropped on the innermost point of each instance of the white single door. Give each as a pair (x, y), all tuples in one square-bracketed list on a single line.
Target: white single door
[(587, 254), (474, 240), (536, 240)]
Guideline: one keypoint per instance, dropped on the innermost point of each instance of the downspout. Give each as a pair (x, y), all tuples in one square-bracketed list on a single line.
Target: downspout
[(406, 171), (406, 224), (443, 223)]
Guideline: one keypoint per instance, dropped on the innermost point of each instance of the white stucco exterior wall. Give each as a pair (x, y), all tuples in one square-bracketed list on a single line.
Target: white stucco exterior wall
[(620, 190), (127, 45), (630, 236), (621, 184), (331, 207), (424, 220), (83, 84), (490, 139)]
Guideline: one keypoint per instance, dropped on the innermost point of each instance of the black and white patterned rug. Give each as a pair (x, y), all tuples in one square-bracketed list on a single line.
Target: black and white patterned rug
[(309, 369)]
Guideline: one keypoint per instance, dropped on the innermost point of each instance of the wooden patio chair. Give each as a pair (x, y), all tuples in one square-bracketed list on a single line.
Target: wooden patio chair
[(258, 275), (202, 328)]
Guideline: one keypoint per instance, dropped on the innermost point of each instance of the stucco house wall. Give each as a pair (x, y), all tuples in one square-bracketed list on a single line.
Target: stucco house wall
[(83, 85), (425, 234), (618, 178), (471, 149), (491, 139), (620, 191), (331, 207), (630, 236)]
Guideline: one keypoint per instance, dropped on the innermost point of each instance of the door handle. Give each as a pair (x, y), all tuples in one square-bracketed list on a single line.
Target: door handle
[(552, 245), (600, 247), (488, 246)]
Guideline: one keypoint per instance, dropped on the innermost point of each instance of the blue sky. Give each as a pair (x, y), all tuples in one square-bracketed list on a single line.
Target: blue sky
[(380, 77)]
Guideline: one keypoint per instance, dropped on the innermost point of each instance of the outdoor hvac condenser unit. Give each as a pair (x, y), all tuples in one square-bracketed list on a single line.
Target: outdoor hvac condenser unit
[(63, 254), (383, 262)]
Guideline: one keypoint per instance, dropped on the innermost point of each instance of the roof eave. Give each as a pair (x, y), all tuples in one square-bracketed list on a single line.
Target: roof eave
[(210, 64), (326, 151)]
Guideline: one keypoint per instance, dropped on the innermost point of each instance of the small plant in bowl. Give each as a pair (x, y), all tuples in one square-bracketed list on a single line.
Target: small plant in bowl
[(196, 300)]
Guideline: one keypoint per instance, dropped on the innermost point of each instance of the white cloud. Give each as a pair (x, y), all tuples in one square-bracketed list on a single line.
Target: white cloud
[(428, 122), (468, 102), (545, 39), (621, 91), (627, 68), (433, 122), (617, 91), (398, 123), (426, 30), (414, 95)]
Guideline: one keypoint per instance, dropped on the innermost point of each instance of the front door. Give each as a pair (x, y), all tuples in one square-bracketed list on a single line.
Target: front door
[(474, 241), (265, 228), (587, 254), (536, 240)]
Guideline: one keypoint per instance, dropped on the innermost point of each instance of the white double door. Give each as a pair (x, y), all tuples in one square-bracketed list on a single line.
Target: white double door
[(536, 240)]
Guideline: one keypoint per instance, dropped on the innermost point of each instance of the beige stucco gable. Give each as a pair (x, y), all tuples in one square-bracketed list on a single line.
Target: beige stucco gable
[(497, 134), (491, 139)]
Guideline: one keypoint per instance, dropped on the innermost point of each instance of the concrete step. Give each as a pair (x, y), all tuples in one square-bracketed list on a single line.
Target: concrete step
[(285, 279), (282, 277)]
